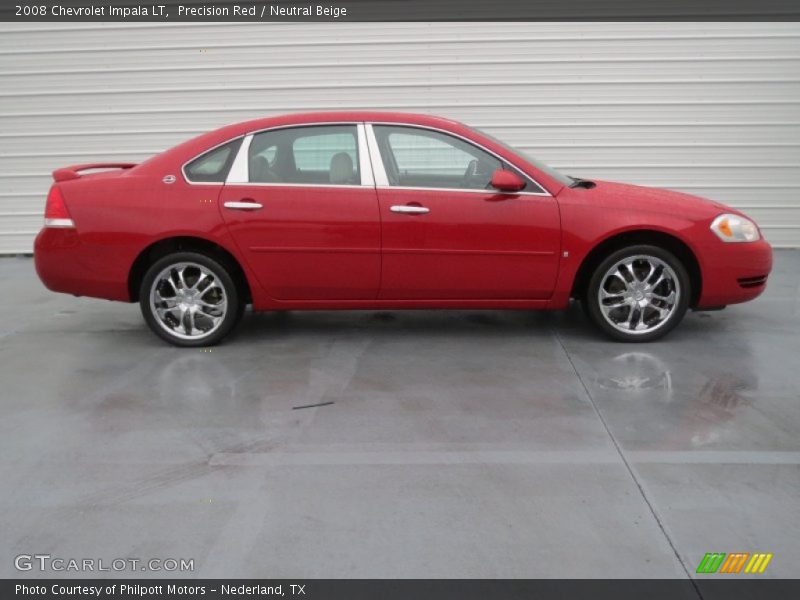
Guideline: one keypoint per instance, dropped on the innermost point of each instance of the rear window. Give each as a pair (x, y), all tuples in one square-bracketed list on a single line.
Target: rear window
[(213, 166)]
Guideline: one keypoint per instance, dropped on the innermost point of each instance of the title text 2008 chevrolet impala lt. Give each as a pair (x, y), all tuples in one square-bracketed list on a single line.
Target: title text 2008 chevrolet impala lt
[(359, 210)]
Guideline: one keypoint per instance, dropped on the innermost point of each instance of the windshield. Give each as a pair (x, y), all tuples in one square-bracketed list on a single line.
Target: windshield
[(560, 177)]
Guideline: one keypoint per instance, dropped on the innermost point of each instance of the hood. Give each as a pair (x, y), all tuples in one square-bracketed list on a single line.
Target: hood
[(639, 198)]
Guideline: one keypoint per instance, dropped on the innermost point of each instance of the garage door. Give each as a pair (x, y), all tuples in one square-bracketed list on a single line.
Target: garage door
[(712, 109)]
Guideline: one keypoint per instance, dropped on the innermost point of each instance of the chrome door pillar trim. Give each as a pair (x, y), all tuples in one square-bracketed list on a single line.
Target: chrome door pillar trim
[(364, 162), (381, 180), (240, 169)]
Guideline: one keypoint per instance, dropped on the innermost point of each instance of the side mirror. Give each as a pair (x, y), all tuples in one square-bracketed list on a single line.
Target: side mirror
[(507, 181)]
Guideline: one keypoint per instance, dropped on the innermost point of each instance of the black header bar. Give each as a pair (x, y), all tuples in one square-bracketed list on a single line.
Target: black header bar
[(399, 10)]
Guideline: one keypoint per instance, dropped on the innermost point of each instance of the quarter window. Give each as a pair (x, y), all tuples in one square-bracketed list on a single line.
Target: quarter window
[(414, 157), (213, 166), (313, 155)]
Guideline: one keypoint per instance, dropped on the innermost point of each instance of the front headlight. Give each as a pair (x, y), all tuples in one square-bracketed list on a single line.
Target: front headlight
[(733, 228)]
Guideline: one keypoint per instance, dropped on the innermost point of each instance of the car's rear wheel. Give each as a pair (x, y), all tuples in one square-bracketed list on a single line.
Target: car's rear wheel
[(190, 299), (638, 294)]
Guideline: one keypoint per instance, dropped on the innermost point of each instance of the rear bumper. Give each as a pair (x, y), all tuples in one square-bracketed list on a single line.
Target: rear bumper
[(65, 264), (734, 273)]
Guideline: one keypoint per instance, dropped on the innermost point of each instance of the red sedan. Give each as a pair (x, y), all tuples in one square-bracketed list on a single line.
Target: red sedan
[(360, 210)]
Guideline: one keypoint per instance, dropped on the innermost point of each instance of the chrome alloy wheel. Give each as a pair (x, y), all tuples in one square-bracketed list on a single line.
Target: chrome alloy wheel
[(188, 300), (638, 294)]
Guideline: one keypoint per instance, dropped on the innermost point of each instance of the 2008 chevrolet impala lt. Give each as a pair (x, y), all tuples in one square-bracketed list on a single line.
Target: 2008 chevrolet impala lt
[(361, 210)]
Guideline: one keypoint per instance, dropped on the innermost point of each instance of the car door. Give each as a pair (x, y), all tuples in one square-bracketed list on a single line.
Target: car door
[(300, 203), (446, 233)]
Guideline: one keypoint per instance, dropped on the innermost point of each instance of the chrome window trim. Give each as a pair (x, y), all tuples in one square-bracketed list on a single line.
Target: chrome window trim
[(373, 173), (206, 151), (302, 185), (463, 190), (383, 181)]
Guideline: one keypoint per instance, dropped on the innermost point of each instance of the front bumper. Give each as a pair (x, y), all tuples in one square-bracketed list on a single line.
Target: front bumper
[(734, 272)]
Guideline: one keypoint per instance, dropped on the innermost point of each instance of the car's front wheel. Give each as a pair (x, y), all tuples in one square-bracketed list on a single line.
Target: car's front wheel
[(638, 294), (190, 299)]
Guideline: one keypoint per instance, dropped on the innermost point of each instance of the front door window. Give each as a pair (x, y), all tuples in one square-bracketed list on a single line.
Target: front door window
[(425, 158)]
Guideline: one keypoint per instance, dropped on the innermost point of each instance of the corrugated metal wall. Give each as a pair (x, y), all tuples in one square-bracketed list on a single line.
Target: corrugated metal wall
[(712, 109)]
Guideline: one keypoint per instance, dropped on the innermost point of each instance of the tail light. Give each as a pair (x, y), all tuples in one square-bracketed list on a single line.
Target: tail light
[(55, 211)]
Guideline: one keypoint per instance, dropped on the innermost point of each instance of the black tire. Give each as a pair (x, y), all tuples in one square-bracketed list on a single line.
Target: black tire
[(234, 307), (592, 304)]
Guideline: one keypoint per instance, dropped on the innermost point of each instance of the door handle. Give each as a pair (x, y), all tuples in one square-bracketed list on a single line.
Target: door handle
[(243, 205), (405, 209)]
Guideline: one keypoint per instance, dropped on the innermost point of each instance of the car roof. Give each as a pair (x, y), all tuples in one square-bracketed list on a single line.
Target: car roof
[(212, 138), (194, 146), (346, 115)]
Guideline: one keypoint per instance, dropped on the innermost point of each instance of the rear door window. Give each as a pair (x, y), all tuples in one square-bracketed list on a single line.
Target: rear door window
[(311, 155)]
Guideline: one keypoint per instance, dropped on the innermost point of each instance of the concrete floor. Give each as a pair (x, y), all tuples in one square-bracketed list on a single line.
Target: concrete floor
[(460, 444)]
